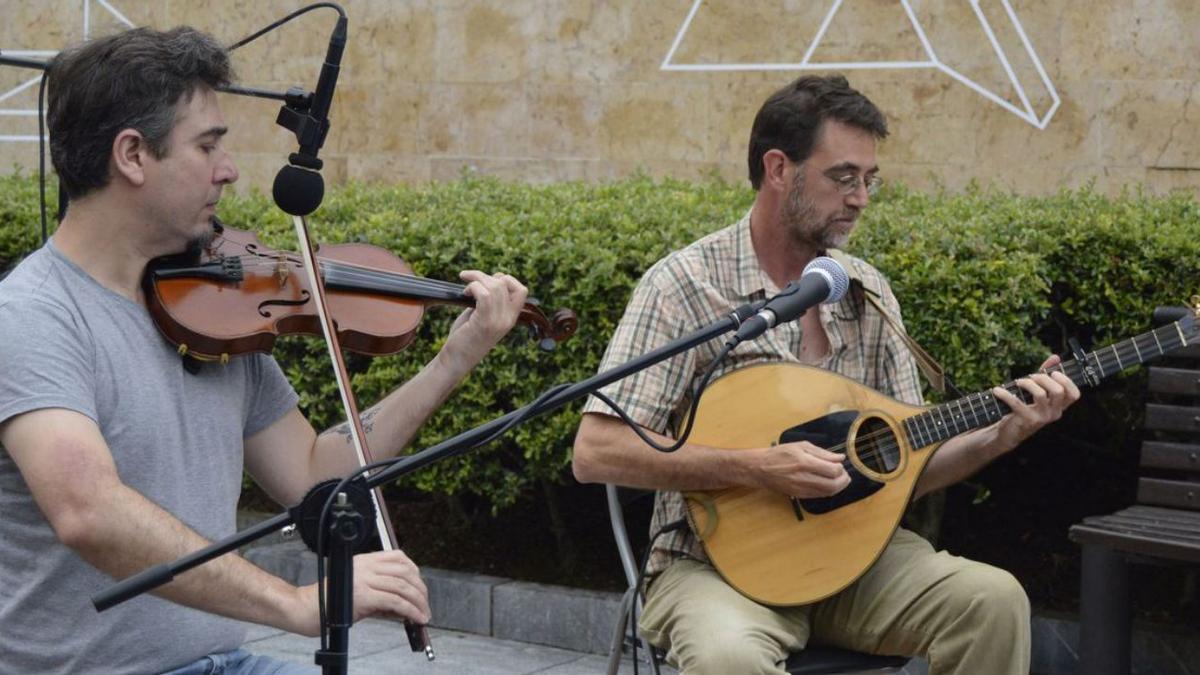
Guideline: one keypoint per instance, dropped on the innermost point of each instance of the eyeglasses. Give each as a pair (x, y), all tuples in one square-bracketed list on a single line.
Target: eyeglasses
[(847, 184)]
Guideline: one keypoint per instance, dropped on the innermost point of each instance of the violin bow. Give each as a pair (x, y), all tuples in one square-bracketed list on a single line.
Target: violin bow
[(418, 635)]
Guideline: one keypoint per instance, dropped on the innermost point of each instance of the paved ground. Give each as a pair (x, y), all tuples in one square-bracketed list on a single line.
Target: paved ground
[(380, 647)]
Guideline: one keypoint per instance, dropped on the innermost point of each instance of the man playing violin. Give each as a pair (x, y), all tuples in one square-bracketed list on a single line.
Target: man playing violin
[(113, 458), (812, 163)]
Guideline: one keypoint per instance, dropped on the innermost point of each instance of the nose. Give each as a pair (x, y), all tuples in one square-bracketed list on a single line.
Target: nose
[(860, 196), (226, 171)]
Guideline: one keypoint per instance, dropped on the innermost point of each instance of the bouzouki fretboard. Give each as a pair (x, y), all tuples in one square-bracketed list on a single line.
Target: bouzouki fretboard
[(983, 408)]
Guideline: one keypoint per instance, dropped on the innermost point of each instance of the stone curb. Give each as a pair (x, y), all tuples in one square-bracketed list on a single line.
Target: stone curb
[(569, 618), (583, 620)]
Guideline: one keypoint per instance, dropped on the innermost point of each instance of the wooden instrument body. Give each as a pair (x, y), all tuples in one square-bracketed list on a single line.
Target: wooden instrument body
[(759, 543)]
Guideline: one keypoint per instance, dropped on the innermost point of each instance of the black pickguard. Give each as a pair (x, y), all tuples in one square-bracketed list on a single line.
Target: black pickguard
[(826, 432)]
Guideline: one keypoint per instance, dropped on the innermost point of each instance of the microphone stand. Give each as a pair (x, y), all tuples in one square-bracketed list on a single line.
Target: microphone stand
[(350, 510), (295, 98), (22, 62)]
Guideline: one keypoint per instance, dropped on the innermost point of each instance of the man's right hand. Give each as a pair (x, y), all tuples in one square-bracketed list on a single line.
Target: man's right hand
[(387, 584), (799, 470)]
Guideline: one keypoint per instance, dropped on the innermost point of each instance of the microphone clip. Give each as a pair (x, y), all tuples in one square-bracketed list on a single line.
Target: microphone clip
[(306, 161), (310, 132)]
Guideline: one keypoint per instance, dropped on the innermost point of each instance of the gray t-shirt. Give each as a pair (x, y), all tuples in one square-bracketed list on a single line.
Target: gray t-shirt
[(68, 342)]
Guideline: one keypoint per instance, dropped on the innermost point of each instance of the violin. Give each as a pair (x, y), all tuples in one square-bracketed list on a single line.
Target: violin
[(236, 296)]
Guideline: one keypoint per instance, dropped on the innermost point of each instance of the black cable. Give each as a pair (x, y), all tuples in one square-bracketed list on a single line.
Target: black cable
[(303, 10), (687, 430), (42, 150)]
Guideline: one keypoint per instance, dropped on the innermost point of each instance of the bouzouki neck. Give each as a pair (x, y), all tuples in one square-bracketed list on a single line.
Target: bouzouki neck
[(1086, 370)]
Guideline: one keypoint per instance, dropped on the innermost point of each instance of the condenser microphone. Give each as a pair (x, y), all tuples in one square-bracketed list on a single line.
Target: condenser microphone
[(298, 187)]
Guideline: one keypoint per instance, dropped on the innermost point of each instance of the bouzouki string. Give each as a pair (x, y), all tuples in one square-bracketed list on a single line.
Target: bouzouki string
[(1123, 355)]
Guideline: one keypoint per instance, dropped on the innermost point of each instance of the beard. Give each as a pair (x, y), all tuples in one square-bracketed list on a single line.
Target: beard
[(197, 245), (808, 228)]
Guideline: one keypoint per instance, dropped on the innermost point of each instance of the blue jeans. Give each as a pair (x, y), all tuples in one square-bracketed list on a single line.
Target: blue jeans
[(242, 662)]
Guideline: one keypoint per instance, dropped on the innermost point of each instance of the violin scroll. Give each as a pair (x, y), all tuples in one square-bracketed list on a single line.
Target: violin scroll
[(549, 331)]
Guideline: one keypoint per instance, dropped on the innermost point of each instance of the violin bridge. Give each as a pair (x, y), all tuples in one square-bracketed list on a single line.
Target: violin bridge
[(281, 270)]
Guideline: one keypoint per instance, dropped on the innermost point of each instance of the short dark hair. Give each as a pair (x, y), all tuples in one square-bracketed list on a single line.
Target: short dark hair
[(130, 80), (791, 118)]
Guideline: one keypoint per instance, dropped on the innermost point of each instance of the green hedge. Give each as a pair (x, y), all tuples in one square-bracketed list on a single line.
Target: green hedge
[(990, 282)]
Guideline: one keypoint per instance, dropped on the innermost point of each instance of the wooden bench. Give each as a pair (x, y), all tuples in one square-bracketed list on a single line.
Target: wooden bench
[(1162, 528)]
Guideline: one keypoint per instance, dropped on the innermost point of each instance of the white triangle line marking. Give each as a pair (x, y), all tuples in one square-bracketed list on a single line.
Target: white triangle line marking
[(1028, 114)]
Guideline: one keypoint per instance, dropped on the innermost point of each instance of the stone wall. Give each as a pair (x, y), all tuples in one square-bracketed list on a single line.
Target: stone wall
[(549, 90)]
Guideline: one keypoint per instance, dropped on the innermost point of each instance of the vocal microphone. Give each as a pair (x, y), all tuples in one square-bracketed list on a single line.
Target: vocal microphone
[(298, 188), (822, 281)]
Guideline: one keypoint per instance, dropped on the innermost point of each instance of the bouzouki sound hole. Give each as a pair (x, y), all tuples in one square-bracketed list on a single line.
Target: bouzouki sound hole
[(876, 447)]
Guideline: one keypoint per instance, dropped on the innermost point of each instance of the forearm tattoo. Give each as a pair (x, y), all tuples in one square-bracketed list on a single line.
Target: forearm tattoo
[(368, 423)]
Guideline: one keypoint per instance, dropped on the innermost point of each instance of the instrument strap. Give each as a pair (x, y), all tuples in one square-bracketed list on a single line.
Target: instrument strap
[(929, 366)]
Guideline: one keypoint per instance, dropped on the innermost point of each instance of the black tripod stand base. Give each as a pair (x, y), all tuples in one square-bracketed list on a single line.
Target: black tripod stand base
[(346, 531)]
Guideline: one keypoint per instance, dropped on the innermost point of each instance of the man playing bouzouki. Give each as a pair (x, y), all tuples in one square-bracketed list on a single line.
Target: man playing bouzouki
[(812, 163)]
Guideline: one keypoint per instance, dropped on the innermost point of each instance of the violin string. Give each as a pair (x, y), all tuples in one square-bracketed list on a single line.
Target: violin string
[(360, 273), (402, 281), (399, 281), (262, 261)]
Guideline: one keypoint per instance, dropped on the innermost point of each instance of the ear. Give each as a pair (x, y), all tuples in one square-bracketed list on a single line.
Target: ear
[(129, 156), (776, 173)]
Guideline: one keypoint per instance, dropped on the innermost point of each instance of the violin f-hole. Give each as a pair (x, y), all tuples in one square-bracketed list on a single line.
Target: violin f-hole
[(305, 296)]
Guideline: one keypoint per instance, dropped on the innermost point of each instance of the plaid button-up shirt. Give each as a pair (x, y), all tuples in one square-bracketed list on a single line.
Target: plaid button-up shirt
[(703, 283)]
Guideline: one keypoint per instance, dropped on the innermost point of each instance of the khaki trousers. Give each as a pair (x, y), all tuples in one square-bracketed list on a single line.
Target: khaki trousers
[(965, 617)]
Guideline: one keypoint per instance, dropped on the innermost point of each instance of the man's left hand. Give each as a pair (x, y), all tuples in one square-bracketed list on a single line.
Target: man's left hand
[(499, 299), (1052, 394)]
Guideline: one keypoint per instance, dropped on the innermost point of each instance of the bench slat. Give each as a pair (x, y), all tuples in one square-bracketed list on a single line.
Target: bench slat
[(1172, 530), (1176, 493), (1153, 516), (1161, 417), (1167, 455), (1132, 530), (1171, 549), (1170, 517), (1184, 381), (1159, 514)]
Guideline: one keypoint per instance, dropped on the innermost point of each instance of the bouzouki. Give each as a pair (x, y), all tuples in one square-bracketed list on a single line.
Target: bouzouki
[(789, 551)]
